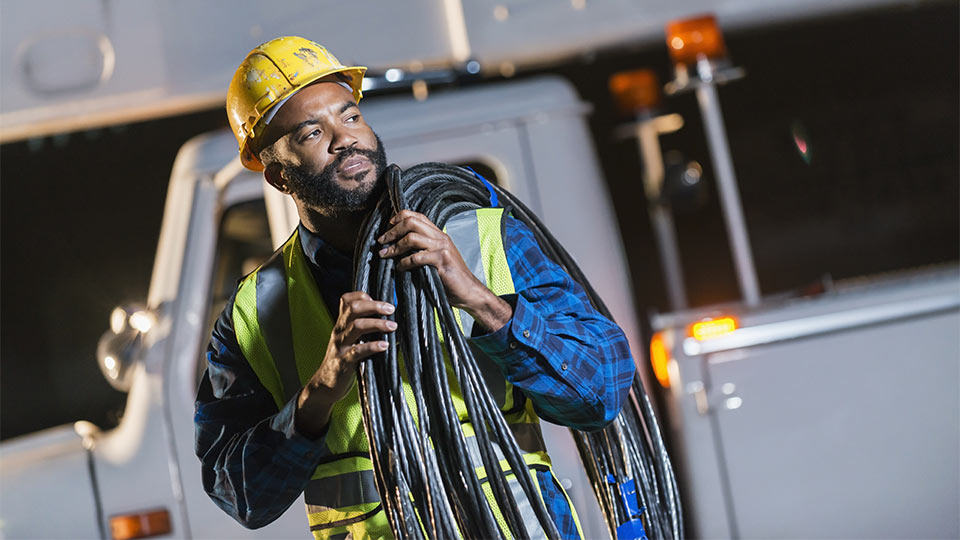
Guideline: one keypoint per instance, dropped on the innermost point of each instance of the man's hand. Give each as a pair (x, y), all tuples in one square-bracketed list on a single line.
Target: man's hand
[(416, 241), (335, 376)]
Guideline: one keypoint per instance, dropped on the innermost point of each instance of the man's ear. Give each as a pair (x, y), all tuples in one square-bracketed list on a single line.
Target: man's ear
[(272, 174)]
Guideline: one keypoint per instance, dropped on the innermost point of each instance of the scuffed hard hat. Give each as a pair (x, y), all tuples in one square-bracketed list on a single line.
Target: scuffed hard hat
[(271, 74)]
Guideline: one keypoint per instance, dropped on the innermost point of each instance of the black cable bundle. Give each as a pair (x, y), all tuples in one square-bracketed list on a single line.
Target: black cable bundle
[(402, 427)]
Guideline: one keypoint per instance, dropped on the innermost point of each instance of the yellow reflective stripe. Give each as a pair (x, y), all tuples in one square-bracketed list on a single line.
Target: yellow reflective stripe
[(323, 517), (374, 527), (309, 317), (251, 341), (342, 466)]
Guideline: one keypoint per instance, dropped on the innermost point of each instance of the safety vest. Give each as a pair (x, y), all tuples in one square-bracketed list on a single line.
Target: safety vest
[(283, 327)]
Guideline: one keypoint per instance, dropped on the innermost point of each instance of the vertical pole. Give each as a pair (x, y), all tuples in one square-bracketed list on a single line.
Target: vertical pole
[(669, 256), (729, 196), (648, 139)]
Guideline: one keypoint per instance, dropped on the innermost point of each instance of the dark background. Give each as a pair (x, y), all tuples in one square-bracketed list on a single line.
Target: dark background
[(876, 97)]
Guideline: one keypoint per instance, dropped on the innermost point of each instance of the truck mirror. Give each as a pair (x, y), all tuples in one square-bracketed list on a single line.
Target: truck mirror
[(119, 347)]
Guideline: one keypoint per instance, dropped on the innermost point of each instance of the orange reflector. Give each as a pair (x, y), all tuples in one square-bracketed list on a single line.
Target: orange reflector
[(713, 328), (659, 357), (636, 90), (142, 525), (692, 38)]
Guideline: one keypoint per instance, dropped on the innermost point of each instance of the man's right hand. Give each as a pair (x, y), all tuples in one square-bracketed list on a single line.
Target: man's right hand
[(359, 316)]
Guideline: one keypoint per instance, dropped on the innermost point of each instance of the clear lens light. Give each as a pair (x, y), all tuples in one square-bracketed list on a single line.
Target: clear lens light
[(118, 318), (393, 75), (141, 321), (110, 363)]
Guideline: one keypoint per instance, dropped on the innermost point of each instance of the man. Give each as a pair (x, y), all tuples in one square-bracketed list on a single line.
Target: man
[(263, 439)]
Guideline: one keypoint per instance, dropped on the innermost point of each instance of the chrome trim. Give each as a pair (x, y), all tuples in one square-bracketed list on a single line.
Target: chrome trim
[(820, 324)]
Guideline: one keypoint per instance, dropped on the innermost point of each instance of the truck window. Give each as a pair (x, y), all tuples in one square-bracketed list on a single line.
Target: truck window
[(243, 242)]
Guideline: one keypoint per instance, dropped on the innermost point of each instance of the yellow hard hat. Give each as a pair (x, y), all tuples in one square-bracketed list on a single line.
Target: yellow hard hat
[(270, 74)]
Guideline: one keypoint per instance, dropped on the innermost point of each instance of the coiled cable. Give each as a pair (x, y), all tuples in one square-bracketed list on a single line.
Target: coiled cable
[(421, 458)]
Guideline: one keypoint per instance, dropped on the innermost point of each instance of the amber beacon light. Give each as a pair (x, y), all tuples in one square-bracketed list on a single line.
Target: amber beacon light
[(635, 91), (140, 525), (660, 358), (691, 39), (713, 328)]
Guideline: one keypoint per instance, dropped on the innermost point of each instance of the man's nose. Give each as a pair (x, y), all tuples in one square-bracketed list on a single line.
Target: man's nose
[(342, 140)]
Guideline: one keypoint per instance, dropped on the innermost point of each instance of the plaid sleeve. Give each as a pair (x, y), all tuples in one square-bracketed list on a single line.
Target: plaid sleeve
[(573, 363), (254, 463)]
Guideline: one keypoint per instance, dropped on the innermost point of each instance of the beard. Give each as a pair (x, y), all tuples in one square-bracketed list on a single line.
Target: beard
[(323, 193)]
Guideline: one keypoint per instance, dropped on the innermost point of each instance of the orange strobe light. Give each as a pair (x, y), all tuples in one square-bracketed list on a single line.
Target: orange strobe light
[(635, 91), (659, 358), (713, 328), (690, 39), (140, 525)]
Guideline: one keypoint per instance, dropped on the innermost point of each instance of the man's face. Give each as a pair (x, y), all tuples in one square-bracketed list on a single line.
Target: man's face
[(330, 159)]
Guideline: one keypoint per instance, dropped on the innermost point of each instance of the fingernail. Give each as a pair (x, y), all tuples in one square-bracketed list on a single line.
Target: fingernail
[(388, 308), (382, 345), (380, 239), (391, 325), (383, 252)]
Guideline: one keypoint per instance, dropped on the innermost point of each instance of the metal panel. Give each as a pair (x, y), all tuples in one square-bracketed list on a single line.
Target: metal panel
[(47, 490), (174, 56), (852, 434)]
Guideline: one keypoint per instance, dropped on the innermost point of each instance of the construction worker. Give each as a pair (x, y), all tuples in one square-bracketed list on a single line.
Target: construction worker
[(277, 411)]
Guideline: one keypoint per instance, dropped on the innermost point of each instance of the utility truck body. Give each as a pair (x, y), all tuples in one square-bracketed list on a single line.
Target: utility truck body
[(832, 415)]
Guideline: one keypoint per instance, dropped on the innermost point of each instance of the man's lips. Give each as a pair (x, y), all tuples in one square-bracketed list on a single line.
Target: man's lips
[(354, 164)]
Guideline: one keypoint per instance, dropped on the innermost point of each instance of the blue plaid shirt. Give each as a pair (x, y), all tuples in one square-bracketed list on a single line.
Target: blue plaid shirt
[(573, 363)]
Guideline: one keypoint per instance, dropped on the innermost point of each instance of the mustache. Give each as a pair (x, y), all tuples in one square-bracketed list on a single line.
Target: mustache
[(349, 153)]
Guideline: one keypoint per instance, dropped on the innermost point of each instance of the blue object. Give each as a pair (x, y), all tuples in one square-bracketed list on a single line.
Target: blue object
[(628, 494), (631, 530), (494, 201)]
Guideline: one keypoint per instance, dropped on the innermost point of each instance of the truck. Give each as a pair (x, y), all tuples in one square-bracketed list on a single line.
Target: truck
[(832, 414)]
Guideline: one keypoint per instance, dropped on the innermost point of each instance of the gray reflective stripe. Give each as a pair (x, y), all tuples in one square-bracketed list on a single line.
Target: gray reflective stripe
[(528, 439), (528, 433), (342, 490), (465, 233), (534, 530), (273, 316)]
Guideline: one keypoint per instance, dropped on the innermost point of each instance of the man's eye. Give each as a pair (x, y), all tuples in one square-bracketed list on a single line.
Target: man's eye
[(312, 134), (353, 118)]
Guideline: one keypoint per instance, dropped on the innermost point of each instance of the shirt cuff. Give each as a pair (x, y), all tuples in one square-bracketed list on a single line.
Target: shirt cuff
[(310, 450), (517, 340)]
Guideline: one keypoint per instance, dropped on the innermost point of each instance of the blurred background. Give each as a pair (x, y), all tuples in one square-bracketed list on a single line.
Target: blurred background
[(843, 133), (874, 94)]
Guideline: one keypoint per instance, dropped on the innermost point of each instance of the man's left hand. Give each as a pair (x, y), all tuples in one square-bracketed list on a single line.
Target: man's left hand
[(416, 241)]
